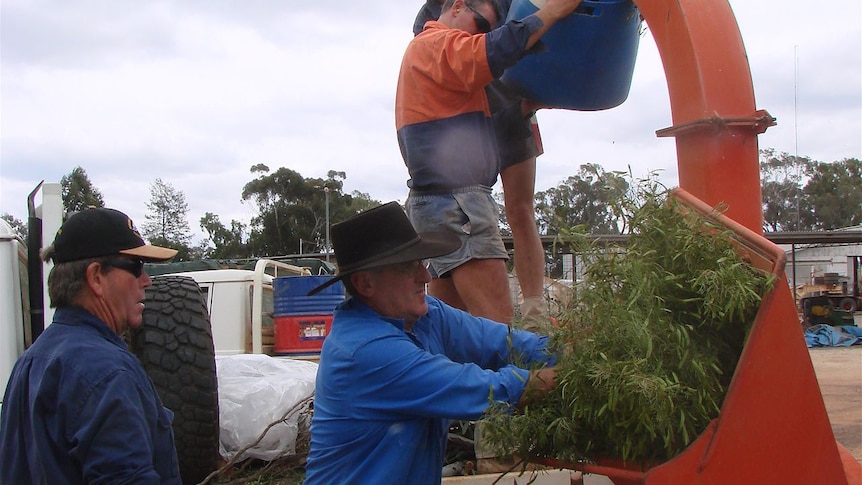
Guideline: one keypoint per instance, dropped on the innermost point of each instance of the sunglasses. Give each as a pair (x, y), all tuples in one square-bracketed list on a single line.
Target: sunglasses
[(482, 23), (134, 266)]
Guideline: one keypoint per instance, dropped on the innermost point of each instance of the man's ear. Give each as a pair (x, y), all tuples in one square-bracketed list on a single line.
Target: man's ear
[(95, 278), (363, 282)]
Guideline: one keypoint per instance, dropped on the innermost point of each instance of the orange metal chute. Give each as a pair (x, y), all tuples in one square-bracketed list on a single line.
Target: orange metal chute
[(712, 103), (773, 426)]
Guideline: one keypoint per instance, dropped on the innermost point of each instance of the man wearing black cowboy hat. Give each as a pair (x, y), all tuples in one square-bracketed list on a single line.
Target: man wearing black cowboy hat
[(398, 364)]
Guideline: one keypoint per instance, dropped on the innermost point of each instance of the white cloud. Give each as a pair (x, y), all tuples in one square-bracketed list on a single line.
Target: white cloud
[(197, 92)]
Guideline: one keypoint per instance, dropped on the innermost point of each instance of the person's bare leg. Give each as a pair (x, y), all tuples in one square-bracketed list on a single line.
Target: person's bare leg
[(519, 182), (444, 289), (483, 285)]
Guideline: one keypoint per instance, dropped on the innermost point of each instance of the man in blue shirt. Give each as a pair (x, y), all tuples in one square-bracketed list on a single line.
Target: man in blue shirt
[(79, 407), (398, 365)]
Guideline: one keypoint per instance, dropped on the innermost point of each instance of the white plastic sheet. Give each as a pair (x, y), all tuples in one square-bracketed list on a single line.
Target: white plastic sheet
[(254, 391)]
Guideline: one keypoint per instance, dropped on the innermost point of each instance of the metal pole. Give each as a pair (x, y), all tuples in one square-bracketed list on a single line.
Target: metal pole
[(793, 272), (326, 191)]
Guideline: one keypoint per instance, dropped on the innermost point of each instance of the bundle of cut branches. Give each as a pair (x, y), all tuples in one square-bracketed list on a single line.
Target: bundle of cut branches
[(649, 345)]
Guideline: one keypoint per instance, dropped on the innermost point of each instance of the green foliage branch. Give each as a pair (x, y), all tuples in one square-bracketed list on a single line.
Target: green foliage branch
[(648, 346)]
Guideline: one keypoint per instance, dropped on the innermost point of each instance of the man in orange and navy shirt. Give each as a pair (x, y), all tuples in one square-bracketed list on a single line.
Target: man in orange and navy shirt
[(447, 140)]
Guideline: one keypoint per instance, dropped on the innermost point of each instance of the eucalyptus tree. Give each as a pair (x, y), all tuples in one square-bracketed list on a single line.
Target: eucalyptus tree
[(167, 219), (582, 200), (78, 192), (801, 194), (781, 176), (18, 226), (223, 242), (832, 198), (292, 210)]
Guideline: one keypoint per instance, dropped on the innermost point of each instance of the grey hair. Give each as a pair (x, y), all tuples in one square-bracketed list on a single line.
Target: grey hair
[(66, 280)]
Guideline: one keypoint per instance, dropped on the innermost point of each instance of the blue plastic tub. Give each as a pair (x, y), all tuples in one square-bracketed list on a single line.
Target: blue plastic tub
[(590, 56), (290, 296)]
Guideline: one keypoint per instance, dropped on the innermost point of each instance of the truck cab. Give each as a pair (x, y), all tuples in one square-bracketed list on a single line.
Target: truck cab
[(240, 303), (14, 301)]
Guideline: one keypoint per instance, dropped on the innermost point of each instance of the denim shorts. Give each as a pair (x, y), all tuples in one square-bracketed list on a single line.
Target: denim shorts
[(469, 212)]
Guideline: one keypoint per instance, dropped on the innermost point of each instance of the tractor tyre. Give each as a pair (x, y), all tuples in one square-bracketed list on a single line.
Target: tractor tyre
[(175, 345)]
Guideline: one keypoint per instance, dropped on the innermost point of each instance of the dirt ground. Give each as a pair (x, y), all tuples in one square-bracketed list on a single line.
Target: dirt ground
[(839, 372)]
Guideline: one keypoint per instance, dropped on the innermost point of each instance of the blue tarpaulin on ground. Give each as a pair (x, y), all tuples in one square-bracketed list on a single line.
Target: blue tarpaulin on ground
[(823, 335)]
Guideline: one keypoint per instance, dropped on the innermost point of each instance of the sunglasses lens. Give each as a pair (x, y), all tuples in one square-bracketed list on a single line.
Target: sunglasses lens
[(482, 24), (133, 266)]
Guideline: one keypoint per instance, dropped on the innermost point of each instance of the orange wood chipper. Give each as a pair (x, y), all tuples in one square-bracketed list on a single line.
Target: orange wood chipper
[(772, 427)]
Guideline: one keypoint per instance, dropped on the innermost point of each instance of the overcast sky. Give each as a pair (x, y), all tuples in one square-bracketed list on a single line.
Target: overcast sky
[(195, 92)]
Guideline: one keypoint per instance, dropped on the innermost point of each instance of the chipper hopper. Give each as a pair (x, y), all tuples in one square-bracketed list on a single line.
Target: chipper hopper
[(772, 426)]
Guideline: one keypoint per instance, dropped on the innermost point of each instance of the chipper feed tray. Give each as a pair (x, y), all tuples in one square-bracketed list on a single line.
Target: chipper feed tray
[(772, 426)]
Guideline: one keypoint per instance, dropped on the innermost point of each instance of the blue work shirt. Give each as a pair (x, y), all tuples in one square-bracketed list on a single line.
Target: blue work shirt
[(384, 397), (79, 408)]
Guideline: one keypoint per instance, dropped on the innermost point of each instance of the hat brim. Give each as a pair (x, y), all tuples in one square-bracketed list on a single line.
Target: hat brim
[(151, 253), (430, 245)]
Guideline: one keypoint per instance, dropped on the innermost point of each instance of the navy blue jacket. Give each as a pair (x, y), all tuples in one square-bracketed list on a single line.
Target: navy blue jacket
[(79, 408)]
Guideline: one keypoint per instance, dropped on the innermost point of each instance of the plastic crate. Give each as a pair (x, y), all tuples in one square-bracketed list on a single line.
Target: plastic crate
[(291, 296), (301, 334)]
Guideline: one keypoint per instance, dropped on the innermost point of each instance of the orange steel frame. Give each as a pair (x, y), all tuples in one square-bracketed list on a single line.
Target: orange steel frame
[(712, 103), (773, 426)]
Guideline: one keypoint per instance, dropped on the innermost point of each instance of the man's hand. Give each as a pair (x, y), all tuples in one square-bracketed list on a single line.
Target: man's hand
[(541, 381)]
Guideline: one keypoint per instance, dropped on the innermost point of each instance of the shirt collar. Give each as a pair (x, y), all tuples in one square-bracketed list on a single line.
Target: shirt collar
[(359, 306), (73, 315)]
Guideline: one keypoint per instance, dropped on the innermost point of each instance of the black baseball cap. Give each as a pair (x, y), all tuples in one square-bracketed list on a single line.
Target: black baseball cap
[(98, 232)]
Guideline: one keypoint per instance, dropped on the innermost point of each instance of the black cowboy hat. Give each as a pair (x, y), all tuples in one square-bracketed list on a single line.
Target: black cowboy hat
[(380, 236)]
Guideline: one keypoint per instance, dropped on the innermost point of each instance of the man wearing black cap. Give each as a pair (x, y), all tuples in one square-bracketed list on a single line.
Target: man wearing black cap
[(79, 407), (398, 365)]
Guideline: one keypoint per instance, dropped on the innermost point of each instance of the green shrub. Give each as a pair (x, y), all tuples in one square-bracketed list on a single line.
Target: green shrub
[(649, 345)]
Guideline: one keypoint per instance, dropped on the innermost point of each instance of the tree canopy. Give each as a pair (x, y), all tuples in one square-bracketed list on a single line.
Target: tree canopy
[(167, 219), (223, 242), (801, 194), (78, 192), (17, 225), (584, 199), (292, 209), (833, 195)]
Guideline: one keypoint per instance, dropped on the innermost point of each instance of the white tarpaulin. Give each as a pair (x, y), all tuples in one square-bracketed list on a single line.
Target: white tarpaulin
[(254, 391)]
